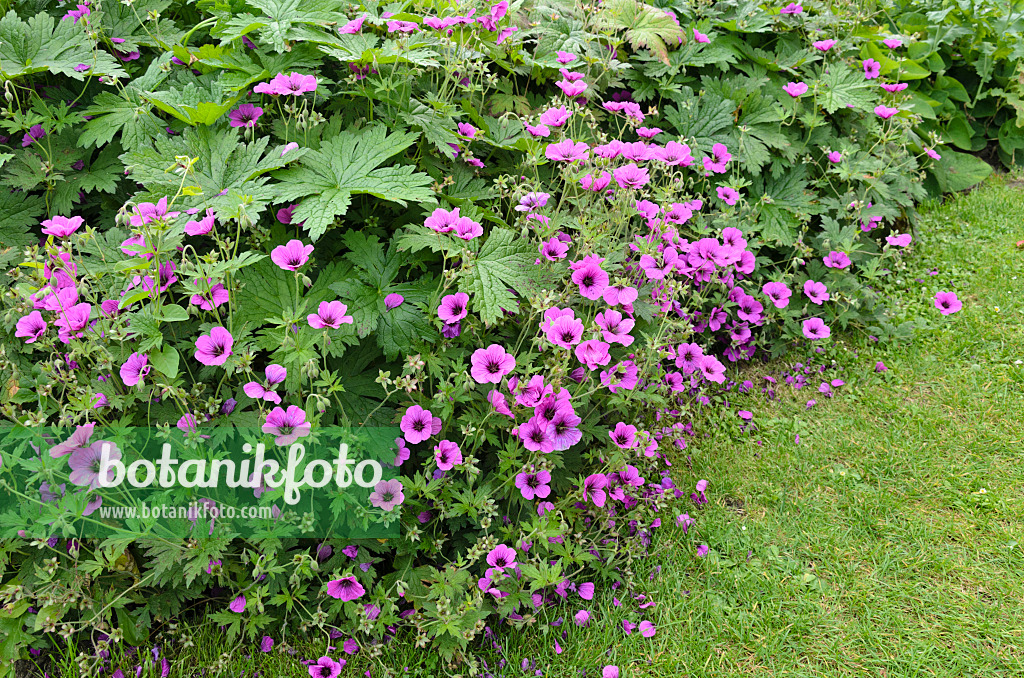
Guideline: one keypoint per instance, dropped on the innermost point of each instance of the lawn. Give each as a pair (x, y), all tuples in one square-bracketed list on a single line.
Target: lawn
[(880, 532)]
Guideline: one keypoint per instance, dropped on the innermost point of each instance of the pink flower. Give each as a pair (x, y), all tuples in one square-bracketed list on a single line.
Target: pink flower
[(238, 604), (592, 280), (720, 157), (729, 196), (816, 292), (700, 37), (792, 8), (615, 329), (287, 426), (31, 327), (534, 485), (294, 84), (454, 307), (815, 328), (135, 369), (885, 112), (387, 494), (795, 89), (624, 435), (647, 629), (447, 455), (491, 364), (61, 227), (835, 157), (901, 240), (79, 439), (893, 43), (325, 667), (393, 301), (674, 153), (291, 256), (610, 671), (275, 374), (329, 314), (894, 87), (593, 353), (215, 347), (555, 117), (419, 424), (538, 435), (631, 176), (402, 26), (565, 57), (872, 69), (346, 588), (554, 249), (352, 27), (245, 115), (947, 303), (567, 150), (203, 226), (594, 489), (85, 464), (712, 369), (571, 88), (598, 184), (72, 321), (502, 556), (931, 153), (838, 260), (778, 293), (823, 45)]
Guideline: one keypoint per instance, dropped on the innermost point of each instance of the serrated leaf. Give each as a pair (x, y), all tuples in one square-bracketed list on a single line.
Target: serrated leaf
[(843, 87), (45, 44), (502, 267), (350, 164), (644, 25)]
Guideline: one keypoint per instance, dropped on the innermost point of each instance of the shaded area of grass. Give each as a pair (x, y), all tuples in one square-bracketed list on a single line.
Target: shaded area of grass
[(888, 541)]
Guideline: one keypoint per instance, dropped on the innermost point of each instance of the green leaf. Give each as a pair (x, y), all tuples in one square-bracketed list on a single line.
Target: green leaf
[(166, 361), (350, 164), (18, 211), (707, 120), (45, 44), (505, 263), (197, 103), (959, 171), (842, 87), (644, 25)]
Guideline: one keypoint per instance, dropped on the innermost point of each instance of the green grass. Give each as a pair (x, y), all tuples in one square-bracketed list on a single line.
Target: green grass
[(888, 542)]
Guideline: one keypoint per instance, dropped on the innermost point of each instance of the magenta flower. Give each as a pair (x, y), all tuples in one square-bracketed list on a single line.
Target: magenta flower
[(393, 301), (712, 369), (215, 347), (593, 353), (838, 260), (491, 364), (610, 671), (571, 88), (534, 485), (554, 249), (287, 426), (594, 489), (815, 328), (454, 307), (31, 327), (419, 424), (615, 328), (893, 43), (275, 374), (901, 240), (290, 146), (447, 455), (402, 26), (823, 45), (294, 84), (78, 440), (564, 57), (346, 588), (647, 629), (894, 87), (79, 12), (325, 667), (62, 227), (501, 556), (203, 226), (729, 196), (567, 150), (71, 323), (145, 213), (266, 644), (872, 69), (592, 280), (555, 117), (245, 115), (700, 37), (238, 604), (85, 464), (329, 314), (291, 256), (499, 402), (778, 293), (816, 292), (34, 133), (387, 494), (631, 176), (886, 112), (135, 369), (624, 435), (792, 8), (596, 184), (352, 27), (947, 303), (719, 159), (538, 435), (835, 157), (795, 89), (932, 153), (674, 153)]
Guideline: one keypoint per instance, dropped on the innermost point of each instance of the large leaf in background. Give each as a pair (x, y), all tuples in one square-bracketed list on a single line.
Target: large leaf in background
[(397, 330), (224, 165), (347, 164), (503, 267), (282, 21), (18, 211), (707, 120), (959, 171), (45, 44), (202, 102), (779, 218), (842, 87), (126, 112), (644, 25)]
